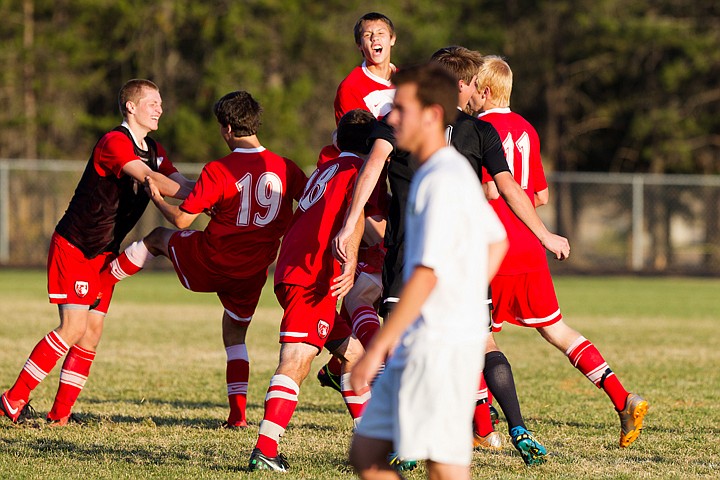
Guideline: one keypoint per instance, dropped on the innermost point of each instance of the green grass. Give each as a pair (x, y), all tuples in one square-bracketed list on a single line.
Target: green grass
[(157, 391)]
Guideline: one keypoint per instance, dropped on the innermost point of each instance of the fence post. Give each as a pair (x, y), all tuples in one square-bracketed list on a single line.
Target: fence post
[(638, 214), (4, 212)]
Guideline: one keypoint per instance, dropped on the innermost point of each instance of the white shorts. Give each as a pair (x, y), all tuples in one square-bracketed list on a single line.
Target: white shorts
[(426, 406)]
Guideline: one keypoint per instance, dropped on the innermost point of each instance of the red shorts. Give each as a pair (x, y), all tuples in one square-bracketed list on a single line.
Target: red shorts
[(371, 259), (74, 279), (527, 300), (309, 317), (239, 296)]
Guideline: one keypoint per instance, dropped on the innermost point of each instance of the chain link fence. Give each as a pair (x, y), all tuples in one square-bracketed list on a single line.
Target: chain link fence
[(616, 223)]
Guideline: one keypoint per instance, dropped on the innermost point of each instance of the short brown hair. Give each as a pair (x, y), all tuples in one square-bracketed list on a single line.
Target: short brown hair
[(131, 91), (460, 61), (369, 17), (240, 111), (435, 86)]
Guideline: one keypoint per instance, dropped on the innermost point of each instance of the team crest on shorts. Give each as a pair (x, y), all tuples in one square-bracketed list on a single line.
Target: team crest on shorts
[(323, 328), (81, 288)]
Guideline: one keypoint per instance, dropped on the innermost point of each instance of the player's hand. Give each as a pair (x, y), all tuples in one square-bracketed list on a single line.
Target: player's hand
[(558, 245), (339, 243), (344, 282), (365, 370), (151, 189)]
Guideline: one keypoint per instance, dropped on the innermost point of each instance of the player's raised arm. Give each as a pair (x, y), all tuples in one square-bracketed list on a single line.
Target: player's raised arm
[(364, 186)]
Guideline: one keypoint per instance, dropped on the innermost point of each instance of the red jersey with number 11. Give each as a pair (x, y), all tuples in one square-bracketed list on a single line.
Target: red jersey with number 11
[(251, 192), (522, 151)]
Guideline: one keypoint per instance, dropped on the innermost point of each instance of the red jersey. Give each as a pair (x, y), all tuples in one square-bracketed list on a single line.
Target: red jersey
[(108, 203), (365, 90), (328, 152), (251, 192), (522, 151), (306, 258)]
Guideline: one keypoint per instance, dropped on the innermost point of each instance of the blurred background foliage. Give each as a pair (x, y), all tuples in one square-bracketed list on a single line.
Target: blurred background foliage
[(611, 85)]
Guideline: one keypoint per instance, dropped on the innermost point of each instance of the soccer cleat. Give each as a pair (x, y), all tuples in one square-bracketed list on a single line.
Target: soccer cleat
[(61, 422), (401, 464), (491, 441), (494, 415), (17, 411), (258, 461), (241, 424), (532, 451), (328, 379), (631, 419)]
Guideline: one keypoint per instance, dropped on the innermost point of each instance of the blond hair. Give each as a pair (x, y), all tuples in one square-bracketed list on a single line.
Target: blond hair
[(496, 74)]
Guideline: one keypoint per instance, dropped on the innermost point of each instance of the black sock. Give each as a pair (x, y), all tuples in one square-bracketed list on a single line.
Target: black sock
[(500, 381)]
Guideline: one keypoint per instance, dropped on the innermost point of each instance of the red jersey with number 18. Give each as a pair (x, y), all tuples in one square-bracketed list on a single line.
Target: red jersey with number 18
[(251, 193), (305, 257), (522, 151)]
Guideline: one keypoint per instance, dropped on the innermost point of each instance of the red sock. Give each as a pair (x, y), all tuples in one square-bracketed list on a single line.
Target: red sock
[(481, 419), (334, 366), (40, 362), (365, 323), (237, 374), (585, 357), (129, 262), (73, 376), (354, 401), (280, 403)]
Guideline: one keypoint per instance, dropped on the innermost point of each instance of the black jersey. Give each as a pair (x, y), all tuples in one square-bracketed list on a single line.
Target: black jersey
[(479, 142), (104, 209)]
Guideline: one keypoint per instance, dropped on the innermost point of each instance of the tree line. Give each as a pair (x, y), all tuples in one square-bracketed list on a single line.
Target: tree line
[(611, 85)]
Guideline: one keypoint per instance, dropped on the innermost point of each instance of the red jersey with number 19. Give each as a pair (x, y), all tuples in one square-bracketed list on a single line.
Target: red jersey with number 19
[(522, 151), (305, 257), (251, 193)]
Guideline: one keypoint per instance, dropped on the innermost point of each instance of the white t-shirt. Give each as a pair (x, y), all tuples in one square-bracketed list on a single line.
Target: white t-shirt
[(449, 225)]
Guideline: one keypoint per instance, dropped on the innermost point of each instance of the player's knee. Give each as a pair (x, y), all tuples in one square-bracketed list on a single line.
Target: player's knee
[(156, 241)]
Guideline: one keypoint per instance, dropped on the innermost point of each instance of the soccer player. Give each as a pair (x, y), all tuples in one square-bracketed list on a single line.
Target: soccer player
[(523, 292), (438, 323), (250, 193), (479, 142), (107, 203), (497, 374), (308, 283), (368, 86)]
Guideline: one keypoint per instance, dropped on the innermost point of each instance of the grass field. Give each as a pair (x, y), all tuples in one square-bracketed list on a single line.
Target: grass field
[(156, 396)]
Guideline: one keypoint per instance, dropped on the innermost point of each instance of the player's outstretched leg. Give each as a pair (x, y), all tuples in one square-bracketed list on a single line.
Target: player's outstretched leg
[(128, 263)]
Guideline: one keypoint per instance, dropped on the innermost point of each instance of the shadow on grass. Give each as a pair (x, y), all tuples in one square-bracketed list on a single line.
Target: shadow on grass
[(45, 448)]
